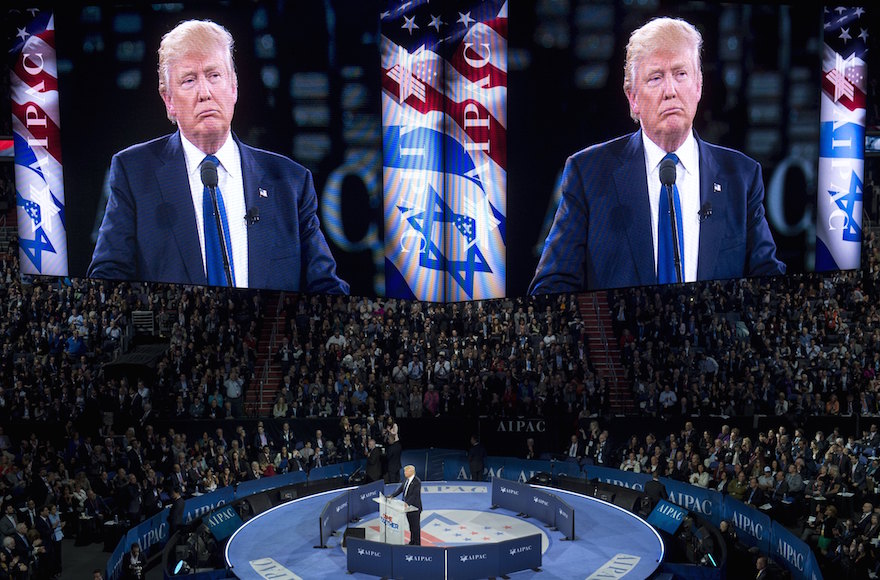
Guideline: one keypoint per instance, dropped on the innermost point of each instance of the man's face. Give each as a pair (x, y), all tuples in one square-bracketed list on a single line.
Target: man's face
[(665, 93), (201, 95)]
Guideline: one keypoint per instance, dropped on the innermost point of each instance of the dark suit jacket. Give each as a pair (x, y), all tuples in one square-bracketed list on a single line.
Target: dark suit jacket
[(757, 498), (23, 546), (175, 514), (601, 236), (149, 230), (413, 495), (374, 464), (656, 491)]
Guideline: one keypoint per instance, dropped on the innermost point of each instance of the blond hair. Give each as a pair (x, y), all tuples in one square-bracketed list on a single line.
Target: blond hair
[(193, 37), (660, 34)]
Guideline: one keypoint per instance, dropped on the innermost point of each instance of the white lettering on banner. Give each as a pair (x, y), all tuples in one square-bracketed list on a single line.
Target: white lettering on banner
[(522, 426), (626, 484), (509, 491), (199, 512), (370, 553), (480, 62), (617, 567), (454, 488), (471, 114), (153, 537), (271, 570), (792, 556), (671, 512), (31, 69), (495, 473), (525, 476), (536, 499), (341, 507), (412, 558), (520, 550), (472, 557), (563, 513), (745, 523), (691, 503), (219, 517)]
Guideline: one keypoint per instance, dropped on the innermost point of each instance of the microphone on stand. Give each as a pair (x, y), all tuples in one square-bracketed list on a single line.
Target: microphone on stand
[(667, 178), (210, 179)]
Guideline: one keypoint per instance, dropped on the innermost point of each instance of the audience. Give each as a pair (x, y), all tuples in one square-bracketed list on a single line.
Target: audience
[(786, 347)]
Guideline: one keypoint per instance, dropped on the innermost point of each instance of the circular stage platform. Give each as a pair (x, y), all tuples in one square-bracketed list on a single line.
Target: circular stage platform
[(610, 542)]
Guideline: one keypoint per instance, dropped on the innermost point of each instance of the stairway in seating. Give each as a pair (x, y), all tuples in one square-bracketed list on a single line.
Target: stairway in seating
[(266, 370), (605, 350)]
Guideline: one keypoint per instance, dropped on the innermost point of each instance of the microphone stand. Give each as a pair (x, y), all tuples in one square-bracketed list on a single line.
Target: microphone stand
[(223, 250), (676, 249)]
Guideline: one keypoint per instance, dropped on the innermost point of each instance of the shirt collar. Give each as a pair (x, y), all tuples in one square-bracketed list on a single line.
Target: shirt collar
[(226, 155), (688, 154)]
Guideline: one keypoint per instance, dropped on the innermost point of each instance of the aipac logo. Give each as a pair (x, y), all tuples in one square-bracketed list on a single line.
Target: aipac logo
[(543, 502), (520, 550), (341, 507), (415, 558), (563, 513), (369, 553), (387, 521), (368, 494), (510, 491), (473, 557)]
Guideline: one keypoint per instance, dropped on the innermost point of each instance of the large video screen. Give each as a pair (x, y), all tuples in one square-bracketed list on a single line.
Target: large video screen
[(438, 151)]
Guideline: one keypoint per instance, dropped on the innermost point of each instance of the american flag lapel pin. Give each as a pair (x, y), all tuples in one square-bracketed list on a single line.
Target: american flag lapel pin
[(264, 193), (716, 187)]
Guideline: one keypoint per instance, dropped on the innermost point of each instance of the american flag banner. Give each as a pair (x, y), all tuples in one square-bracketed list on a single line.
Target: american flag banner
[(444, 120), (842, 139), (36, 122)]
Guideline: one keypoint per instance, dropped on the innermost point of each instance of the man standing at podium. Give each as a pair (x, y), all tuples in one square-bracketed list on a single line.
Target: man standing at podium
[(411, 489)]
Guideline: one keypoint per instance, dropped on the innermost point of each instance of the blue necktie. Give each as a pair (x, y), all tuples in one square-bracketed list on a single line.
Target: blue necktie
[(665, 253), (213, 253)]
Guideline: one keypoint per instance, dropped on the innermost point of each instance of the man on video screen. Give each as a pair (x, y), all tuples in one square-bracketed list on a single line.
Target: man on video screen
[(613, 227), (201, 207)]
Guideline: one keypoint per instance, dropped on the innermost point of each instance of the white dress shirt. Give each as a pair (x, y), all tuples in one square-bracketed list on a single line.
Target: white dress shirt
[(231, 186), (688, 182)]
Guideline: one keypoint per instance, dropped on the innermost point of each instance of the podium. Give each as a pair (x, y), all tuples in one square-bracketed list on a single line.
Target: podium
[(392, 519)]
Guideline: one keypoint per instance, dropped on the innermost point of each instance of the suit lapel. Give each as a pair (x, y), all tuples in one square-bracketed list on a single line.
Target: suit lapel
[(259, 239), (174, 191), (713, 186), (631, 182)]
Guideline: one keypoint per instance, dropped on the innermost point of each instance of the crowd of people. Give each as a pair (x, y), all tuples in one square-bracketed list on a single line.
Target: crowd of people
[(790, 347), (793, 346), (360, 357), (825, 487)]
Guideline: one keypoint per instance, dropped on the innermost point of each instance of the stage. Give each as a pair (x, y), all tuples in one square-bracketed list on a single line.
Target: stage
[(610, 542)]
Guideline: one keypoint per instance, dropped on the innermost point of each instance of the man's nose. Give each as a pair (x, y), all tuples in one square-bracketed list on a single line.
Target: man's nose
[(669, 87), (203, 88)]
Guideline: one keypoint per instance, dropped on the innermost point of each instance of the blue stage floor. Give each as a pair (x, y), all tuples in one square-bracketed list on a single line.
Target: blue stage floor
[(281, 540)]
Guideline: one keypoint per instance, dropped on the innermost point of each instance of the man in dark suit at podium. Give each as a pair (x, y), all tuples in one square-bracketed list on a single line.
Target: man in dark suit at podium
[(411, 489)]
